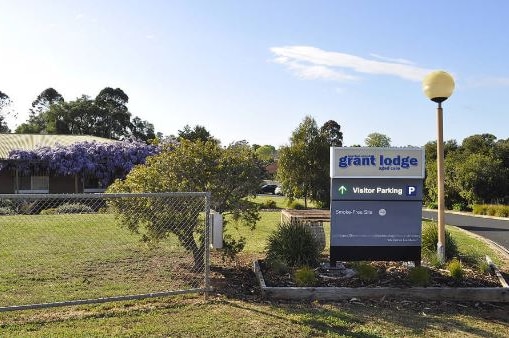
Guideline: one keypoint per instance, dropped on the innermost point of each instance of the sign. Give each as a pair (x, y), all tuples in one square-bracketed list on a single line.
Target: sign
[(356, 162), (376, 223), (376, 189), (376, 203)]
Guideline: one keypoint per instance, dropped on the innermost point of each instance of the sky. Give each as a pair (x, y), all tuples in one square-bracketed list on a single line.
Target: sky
[(253, 70)]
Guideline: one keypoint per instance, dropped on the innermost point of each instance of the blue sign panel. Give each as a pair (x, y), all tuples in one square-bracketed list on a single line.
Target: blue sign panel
[(376, 189), (376, 203), (376, 223)]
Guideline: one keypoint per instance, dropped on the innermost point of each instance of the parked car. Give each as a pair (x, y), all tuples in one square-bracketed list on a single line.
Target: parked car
[(268, 189), (278, 191)]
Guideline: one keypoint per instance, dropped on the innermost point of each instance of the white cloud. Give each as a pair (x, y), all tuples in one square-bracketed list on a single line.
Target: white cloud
[(314, 63), (488, 82), (384, 58)]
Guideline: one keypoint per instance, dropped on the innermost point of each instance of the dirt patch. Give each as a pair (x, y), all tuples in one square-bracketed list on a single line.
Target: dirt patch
[(387, 274)]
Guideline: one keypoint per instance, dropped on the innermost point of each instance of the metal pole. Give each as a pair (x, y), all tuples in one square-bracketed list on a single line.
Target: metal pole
[(440, 183)]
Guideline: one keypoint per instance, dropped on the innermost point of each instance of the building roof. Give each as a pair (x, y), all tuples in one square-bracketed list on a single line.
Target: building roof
[(10, 142)]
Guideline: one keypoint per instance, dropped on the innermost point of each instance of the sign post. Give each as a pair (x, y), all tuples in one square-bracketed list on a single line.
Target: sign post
[(376, 204)]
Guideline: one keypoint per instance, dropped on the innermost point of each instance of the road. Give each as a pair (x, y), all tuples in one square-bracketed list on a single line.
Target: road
[(494, 229)]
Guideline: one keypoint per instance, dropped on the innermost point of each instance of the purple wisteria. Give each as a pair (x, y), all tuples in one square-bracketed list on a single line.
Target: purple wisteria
[(104, 161)]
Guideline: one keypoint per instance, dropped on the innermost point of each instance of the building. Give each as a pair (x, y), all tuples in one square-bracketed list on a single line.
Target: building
[(34, 180)]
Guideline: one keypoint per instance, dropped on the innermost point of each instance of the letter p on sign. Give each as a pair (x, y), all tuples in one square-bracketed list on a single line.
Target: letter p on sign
[(411, 190)]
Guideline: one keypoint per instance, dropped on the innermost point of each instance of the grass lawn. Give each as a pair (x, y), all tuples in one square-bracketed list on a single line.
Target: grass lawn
[(221, 316)]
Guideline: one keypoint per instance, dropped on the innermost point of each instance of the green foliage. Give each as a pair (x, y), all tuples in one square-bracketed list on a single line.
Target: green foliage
[(491, 210), (483, 267), (296, 205), (366, 272), (6, 211), (460, 206), (477, 171), (230, 174), (50, 211), (455, 269), (266, 153), (232, 247), (268, 204), (293, 244), (73, 208), (278, 266), (198, 133), (106, 116), (430, 240), (377, 140), (303, 166), (419, 276), (305, 276)]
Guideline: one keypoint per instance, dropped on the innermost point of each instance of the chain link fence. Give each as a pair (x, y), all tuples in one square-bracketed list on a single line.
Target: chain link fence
[(89, 248)]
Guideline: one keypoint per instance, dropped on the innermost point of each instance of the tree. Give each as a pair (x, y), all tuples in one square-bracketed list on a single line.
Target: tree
[(482, 178), (5, 102), (105, 116), (303, 167), (142, 130), (377, 140), (331, 130), (478, 144), (230, 174), (36, 122), (198, 133), (266, 153)]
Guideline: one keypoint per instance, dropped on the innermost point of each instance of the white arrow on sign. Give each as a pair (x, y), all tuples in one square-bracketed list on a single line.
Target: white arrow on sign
[(342, 189)]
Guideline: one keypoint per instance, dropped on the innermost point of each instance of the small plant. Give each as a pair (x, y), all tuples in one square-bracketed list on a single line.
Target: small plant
[(483, 267), (432, 258), (293, 244), (278, 266), (6, 211), (366, 272), (74, 208), (296, 205), (50, 211), (232, 247), (419, 276), (305, 276), (455, 269), (430, 239)]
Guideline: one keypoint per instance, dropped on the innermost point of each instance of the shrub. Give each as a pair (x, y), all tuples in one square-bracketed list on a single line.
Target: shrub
[(293, 244), (50, 211), (74, 208), (278, 266), (502, 210), (483, 267), (366, 272), (455, 269), (269, 204), (305, 276), (460, 206), (296, 205), (419, 276), (498, 210), (6, 211), (231, 247), (430, 239), (432, 205)]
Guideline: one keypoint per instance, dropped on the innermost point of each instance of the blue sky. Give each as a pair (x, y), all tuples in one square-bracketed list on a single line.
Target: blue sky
[(252, 70)]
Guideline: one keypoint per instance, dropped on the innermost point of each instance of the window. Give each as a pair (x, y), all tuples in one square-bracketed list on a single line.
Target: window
[(33, 184), (92, 184)]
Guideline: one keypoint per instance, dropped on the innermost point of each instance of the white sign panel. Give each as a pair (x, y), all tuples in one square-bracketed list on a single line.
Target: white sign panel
[(367, 162)]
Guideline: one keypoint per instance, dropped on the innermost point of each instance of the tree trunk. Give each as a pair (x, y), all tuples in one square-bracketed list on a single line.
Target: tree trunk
[(186, 238)]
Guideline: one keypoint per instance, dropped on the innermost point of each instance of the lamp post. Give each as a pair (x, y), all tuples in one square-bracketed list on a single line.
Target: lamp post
[(438, 87)]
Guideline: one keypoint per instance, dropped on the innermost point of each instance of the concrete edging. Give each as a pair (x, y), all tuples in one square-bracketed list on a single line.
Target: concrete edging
[(499, 294)]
